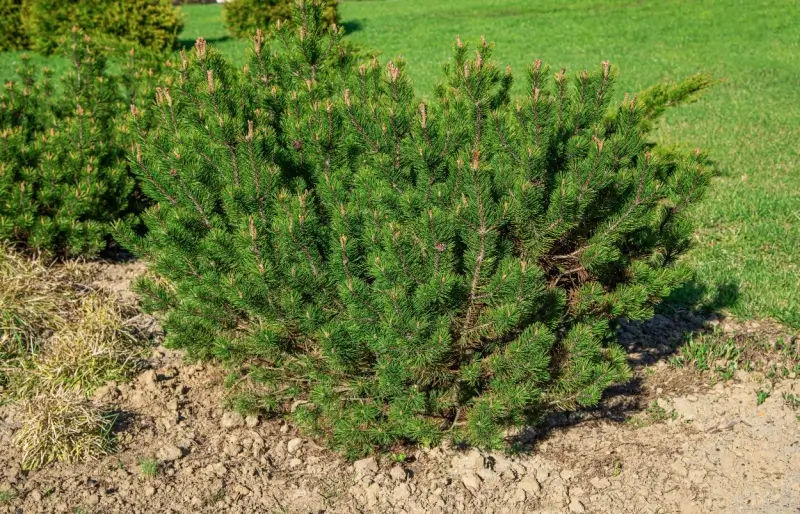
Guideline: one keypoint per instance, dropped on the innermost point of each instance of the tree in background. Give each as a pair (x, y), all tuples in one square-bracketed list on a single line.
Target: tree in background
[(64, 174), (244, 17), (392, 270), (153, 25)]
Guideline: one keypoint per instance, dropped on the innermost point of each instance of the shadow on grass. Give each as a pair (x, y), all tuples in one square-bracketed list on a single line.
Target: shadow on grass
[(188, 44), (351, 26), (691, 310)]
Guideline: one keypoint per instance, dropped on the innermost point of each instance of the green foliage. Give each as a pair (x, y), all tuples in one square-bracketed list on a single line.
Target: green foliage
[(244, 17), (63, 170), (12, 37), (393, 270), (149, 24)]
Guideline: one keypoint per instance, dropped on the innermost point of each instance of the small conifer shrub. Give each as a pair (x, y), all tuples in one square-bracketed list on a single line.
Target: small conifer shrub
[(390, 269), (244, 17), (64, 174), (153, 25), (12, 37)]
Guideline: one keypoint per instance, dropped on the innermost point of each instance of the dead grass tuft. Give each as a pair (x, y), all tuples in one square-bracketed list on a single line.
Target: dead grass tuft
[(59, 341), (91, 348), (62, 426)]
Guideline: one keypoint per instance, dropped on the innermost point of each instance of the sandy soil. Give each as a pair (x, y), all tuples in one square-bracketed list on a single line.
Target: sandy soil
[(705, 449)]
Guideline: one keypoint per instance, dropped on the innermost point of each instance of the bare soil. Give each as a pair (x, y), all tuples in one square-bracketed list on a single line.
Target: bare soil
[(706, 448)]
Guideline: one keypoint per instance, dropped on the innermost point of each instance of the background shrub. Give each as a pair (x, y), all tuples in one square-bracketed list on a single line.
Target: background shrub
[(244, 17), (393, 270), (64, 174), (12, 37), (150, 24)]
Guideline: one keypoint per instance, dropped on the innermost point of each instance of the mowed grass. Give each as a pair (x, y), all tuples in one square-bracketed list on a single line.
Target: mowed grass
[(747, 253)]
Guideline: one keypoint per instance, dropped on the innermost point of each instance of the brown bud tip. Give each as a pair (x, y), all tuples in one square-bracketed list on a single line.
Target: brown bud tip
[(249, 130), (210, 75), (696, 152), (537, 65), (347, 97), (424, 115), (606, 69), (200, 48), (476, 157), (458, 42)]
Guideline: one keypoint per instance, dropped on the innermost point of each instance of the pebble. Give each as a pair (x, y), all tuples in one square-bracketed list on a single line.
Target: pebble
[(149, 490), (295, 462), (684, 408), (93, 499), (600, 483), (530, 485), (472, 481), (576, 506), (251, 421), (366, 466), (293, 445), (232, 419), (398, 474), (170, 453)]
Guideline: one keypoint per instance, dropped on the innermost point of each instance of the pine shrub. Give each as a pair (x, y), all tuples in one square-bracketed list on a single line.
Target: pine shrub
[(244, 17), (395, 270), (150, 24), (64, 174), (12, 37)]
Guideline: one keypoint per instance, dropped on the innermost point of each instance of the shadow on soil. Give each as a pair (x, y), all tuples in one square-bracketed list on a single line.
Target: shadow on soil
[(691, 310)]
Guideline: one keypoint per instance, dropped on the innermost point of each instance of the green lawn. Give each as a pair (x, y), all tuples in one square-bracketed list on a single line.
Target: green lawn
[(748, 248)]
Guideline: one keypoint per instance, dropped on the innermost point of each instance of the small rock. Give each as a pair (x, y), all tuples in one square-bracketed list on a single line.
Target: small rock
[(530, 485), (170, 453), (36, 496), (92, 500), (148, 380), (284, 428), (293, 445), (366, 466), (398, 474), (251, 421), (295, 462), (472, 481), (232, 420), (576, 506), (401, 493), (567, 474), (149, 490), (600, 483), (685, 409)]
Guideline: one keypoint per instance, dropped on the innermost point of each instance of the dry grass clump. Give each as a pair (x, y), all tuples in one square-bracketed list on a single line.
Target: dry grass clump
[(89, 349), (32, 302), (59, 341), (62, 426)]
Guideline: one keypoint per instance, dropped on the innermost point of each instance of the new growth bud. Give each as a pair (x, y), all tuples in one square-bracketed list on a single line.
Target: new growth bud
[(200, 48)]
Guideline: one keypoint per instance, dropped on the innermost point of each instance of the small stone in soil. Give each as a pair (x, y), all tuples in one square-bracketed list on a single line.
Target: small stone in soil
[(576, 506), (293, 445), (398, 474), (170, 453), (251, 421), (472, 481), (365, 466), (232, 420), (530, 485)]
